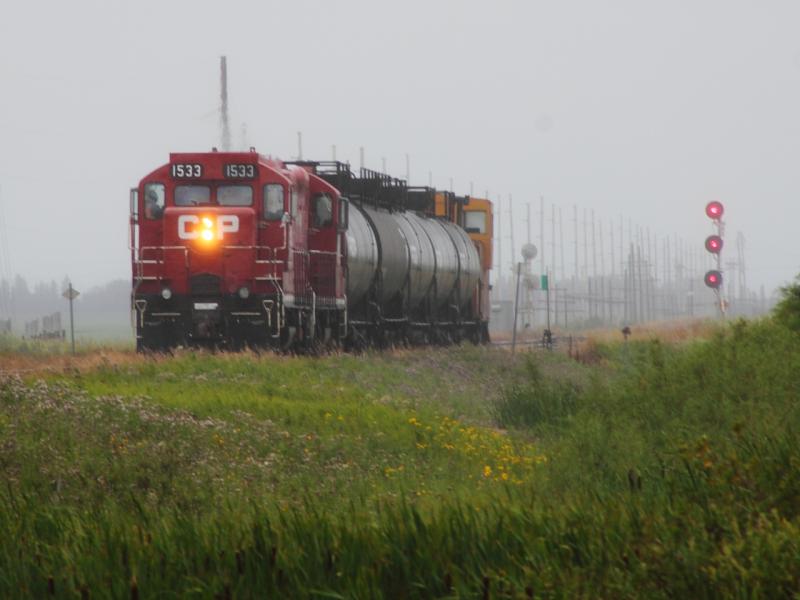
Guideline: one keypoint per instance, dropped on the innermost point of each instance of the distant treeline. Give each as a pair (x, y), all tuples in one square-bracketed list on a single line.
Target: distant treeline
[(100, 311)]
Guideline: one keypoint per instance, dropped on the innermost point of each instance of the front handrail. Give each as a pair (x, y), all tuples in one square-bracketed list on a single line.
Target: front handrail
[(155, 255)]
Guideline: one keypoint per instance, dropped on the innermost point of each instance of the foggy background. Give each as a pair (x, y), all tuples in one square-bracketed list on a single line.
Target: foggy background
[(645, 110)]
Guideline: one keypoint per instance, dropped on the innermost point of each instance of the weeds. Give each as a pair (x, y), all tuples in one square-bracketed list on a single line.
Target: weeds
[(666, 471)]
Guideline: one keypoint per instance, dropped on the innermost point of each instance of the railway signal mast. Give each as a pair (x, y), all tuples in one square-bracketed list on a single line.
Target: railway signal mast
[(714, 244)]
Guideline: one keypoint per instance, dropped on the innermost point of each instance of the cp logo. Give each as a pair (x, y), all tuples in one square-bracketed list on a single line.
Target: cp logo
[(193, 227)]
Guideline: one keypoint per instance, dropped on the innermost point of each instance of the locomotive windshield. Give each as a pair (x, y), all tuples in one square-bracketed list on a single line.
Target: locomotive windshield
[(475, 222), (192, 195), (235, 195)]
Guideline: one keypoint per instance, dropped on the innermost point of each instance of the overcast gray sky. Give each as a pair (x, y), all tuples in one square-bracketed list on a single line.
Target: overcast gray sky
[(636, 108)]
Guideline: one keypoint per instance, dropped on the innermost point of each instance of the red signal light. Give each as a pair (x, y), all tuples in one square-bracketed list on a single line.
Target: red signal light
[(713, 279), (714, 210), (714, 244)]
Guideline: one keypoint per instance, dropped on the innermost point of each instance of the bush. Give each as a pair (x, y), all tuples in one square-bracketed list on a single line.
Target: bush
[(787, 311)]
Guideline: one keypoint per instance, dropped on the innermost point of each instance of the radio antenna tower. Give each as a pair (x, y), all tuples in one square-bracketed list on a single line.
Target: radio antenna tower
[(225, 133)]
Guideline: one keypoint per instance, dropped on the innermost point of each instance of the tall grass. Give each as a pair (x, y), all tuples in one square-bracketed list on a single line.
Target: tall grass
[(671, 471)]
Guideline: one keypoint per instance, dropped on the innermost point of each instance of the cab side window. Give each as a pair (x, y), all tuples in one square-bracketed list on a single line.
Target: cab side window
[(322, 211), (273, 202), (154, 196)]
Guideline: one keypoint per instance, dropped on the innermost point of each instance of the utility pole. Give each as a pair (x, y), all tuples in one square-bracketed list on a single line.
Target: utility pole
[(223, 115), (499, 218), (516, 310), (528, 220), (603, 305), (586, 243), (299, 145), (613, 271), (563, 268), (511, 231), (594, 268), (586, 260), (541, 233), (549, 333), (552, 275), (575, 223)]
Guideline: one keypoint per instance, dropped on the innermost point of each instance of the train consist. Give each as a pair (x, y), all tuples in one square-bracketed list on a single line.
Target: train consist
[(230, 249)]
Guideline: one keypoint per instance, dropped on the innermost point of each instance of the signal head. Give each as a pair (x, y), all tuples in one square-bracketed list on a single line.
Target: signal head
[(714, 244), (714, 210), (713, 279)]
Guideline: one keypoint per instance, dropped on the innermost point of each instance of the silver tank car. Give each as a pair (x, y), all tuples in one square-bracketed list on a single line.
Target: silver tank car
[(362, 256), (393, 261), (423, 258), (469, 264), (418, 256), (446, 260)]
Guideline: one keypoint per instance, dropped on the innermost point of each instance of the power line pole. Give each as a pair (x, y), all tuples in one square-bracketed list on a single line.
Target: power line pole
[(516, 310), (528, 220), (563, 267), (541, 233), (575, 223), (594, 268), (552, 275), (511, 232), (499, 218), (613, 272), (603, 305)]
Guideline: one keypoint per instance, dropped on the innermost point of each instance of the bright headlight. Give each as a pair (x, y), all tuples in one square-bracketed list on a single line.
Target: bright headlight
[(244, 292), (166, 293)]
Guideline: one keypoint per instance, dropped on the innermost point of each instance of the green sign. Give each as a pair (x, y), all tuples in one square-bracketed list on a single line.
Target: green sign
[(544, 282)]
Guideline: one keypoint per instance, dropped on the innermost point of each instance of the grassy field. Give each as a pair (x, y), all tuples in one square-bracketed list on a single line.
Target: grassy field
[(660, 468)]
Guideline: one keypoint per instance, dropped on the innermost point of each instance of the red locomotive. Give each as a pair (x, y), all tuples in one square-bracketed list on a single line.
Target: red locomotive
[(232, 248)]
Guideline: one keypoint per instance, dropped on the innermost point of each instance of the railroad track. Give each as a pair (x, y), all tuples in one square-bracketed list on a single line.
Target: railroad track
[(556, 341)]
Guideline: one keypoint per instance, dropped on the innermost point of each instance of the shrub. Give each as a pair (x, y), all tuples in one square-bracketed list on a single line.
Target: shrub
[(787, 311)]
